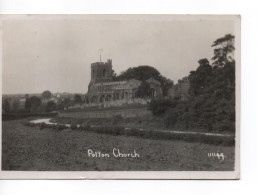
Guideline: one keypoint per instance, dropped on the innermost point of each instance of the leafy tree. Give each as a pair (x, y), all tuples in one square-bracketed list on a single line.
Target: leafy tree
[(212, 88), (6, 106), (201, 78), (35, 103), (78, 99), (224, 62), (224, 50), (27, 104), (51, 106), (143, 90), (67, 102), (32, 104), (15, 105), (159, 107), (167, 84), (142, 73), (114, 76), (60, 105), (46, 95)]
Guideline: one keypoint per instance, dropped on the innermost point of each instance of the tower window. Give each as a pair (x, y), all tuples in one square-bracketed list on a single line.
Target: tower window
[(104, 73), (94, 74)]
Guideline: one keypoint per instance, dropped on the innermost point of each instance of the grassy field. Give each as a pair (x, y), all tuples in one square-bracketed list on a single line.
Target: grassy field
[(29, 148)]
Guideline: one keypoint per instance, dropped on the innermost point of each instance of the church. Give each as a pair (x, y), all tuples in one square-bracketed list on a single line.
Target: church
[(103, 90)]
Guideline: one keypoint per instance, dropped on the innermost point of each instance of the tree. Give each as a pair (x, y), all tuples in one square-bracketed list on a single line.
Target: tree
[(15, 105), (114, 76), (27, 104), (224, 50), (223, 60), (60, 105), (143, 90), (212, 88), (35, 103), (142, 73), (6, 106), (159, 107), (32, 104), (46, 95), (201, 78), (78, 99), (51, 106), (167, 84), (66, 102)]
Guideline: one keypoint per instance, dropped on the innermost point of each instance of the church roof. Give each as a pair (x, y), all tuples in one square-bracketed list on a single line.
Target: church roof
[(127, 84), (152, 80)]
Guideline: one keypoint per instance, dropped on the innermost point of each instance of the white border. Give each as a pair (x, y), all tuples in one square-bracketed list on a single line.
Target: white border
[(247, 183), (141, 174)]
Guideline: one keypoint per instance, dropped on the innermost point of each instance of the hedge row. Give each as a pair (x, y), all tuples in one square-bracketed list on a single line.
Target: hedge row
[(17, 116), (152, 134)]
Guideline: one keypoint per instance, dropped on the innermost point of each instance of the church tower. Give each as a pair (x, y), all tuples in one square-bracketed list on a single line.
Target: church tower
[(100, 72)]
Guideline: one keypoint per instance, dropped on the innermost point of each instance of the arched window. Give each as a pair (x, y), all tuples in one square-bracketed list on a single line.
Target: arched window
[(122, 95), (102, 98), (107, 98), (93, 99), (117, 96), (152, 93), (126, 95), (104, 73), (94, 76), (87, 100)]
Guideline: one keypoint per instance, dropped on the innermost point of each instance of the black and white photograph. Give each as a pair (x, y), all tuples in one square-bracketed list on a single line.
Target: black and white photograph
[(120, 96)]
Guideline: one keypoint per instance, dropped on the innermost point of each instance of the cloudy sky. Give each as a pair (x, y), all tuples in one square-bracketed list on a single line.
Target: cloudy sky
[(55, 53)]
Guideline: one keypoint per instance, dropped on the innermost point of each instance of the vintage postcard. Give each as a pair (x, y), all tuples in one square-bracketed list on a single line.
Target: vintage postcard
[(120, 96)]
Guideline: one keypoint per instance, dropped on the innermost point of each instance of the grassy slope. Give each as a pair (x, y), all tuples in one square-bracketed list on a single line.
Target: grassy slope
[(142, 122), (28, 148)]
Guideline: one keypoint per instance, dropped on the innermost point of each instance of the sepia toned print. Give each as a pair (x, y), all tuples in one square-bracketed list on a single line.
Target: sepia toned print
[(120, 96)]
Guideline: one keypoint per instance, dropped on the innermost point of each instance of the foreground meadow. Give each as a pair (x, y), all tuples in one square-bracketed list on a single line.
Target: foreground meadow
[(29, 148)]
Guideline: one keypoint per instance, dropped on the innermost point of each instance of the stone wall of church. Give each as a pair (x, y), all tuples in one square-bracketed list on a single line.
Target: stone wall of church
[(112, 91), (119, 102)]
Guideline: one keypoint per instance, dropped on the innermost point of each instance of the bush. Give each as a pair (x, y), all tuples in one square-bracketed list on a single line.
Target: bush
[(42, 126), (26, 123), (159, 107), (116, 130), (85, 128), (49, 126), (226, 126), (73, 127), (54, 126), (61, 127), (171, 117)]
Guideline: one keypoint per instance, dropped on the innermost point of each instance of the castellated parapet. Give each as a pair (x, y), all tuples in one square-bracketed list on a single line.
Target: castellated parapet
[(101, 71)]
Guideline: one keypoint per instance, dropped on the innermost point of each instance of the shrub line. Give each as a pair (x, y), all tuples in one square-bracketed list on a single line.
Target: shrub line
[(152, 134)]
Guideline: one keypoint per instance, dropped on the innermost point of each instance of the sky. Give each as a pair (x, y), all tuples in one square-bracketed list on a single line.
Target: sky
[(55, 53)]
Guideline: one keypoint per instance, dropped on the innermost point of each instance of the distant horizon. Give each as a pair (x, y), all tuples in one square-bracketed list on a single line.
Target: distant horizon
[(53, 92), (3, 94), (55, 54)]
